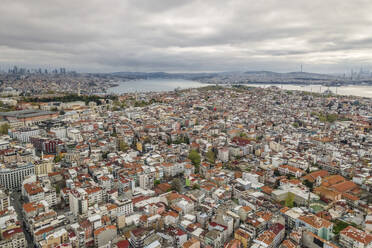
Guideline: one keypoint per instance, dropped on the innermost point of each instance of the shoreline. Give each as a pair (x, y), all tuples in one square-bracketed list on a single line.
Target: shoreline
[(343, 90)]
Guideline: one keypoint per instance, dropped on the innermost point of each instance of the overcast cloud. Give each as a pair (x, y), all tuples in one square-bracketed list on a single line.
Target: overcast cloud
[(187, 35)]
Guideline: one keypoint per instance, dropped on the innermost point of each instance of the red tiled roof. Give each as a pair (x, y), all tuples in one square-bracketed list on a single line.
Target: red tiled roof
[(356, 234), (9, 233), (123, 244)]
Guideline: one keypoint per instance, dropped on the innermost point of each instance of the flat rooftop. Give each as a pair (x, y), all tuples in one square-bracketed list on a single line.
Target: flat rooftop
[(26, 113)]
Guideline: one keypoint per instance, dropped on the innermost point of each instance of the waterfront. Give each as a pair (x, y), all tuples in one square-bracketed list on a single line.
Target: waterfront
[(147, 85), (157, 85), (354, 90)]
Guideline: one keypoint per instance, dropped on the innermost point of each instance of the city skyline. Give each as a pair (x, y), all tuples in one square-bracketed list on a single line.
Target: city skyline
[(187, 36)]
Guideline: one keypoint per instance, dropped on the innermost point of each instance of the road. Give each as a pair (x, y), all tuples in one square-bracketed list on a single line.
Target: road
[(16, 202)]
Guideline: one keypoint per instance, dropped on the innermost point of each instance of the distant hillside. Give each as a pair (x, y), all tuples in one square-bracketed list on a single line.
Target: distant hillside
[(149, 75), (236, 77), (289, 74)]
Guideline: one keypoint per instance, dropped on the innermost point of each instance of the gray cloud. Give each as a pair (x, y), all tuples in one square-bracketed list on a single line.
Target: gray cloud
[(187, 35)]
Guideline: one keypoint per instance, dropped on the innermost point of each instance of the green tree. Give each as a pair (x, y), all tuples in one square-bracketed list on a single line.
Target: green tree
[(194, 156), (309, 184), (211, 156), (123, 146), (58, 189), (57, 158), (332, 117), (322, 118), (338, 226), (176, 185), (4, 128), (156, 182), (196, 186), (104, 155), (289, 201)]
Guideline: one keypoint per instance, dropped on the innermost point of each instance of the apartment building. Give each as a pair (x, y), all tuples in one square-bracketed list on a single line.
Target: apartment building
[(12, 176), (355, 238)]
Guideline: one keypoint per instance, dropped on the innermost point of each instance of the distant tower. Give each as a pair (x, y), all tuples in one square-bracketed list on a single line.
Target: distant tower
[(301, 67)]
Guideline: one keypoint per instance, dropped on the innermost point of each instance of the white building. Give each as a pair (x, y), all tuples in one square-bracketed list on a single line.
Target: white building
[(60, 132), (78, 201), (186, 206), (12, 177), (74, 134), (125, 206), (223, 154), (24, 134)]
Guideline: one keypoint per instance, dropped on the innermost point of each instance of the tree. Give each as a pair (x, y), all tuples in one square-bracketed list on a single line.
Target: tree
[(176, 185), (211, 156), (332, 117), (58, 189), (194, 156), (196, 186), (339, 226), (4, 128), (289, 201), (309, 184), (104, 155), (123, 146), (57, 158), (156, 182)]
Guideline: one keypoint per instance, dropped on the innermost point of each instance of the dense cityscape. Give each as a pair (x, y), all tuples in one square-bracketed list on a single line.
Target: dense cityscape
[(208, 167), (27, 82), (185, 124)]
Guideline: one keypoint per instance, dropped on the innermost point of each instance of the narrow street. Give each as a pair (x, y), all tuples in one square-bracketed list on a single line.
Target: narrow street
[(15, 201)]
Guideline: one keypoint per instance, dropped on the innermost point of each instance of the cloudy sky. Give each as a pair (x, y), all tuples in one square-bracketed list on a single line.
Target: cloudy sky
[(187, 35)]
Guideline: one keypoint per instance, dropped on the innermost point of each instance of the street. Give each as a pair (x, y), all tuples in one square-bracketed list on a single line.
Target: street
[(15, 201)]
